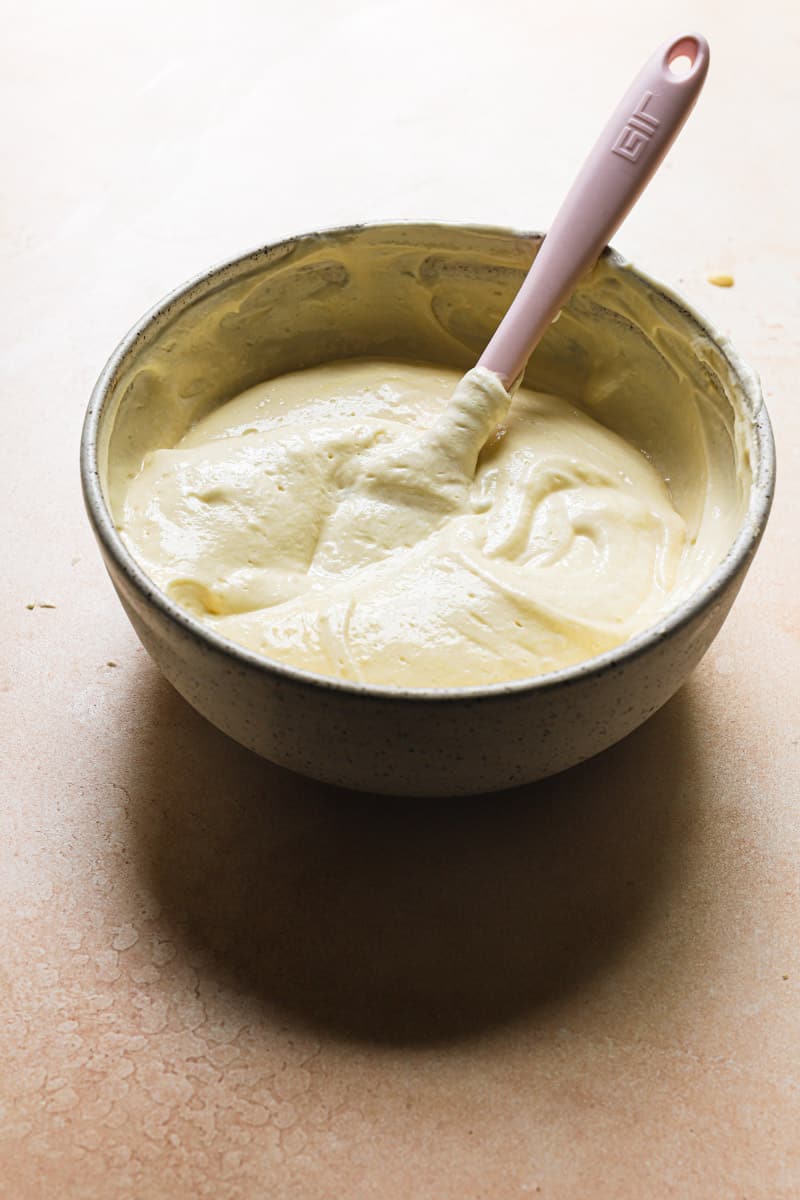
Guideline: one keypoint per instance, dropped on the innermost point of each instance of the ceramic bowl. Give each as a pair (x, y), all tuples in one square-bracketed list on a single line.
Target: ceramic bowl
[(434, 293)]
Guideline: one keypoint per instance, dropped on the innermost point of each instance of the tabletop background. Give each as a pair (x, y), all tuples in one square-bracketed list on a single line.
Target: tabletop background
[(218, 979)]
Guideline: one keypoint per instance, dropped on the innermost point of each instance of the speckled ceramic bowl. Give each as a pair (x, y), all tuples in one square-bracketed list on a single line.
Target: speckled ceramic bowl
[(435, 293)]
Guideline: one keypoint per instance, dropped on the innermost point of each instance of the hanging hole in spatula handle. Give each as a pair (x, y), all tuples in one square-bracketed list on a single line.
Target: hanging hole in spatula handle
[(686, 56)]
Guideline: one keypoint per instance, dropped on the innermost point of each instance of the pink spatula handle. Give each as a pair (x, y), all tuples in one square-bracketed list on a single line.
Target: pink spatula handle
[(626, 155)]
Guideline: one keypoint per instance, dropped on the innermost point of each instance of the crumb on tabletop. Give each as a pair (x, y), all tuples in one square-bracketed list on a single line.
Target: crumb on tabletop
[(721, 280), (111, 663)]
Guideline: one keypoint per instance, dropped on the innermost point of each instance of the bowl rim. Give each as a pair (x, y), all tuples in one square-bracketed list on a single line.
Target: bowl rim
[(742, 547)]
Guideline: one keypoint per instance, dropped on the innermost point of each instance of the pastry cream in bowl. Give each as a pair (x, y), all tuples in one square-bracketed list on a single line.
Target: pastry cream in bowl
[(368, 563), (385, 523)]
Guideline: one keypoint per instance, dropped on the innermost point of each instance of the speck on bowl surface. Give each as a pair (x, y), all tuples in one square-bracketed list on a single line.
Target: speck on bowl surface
[(430, 292)]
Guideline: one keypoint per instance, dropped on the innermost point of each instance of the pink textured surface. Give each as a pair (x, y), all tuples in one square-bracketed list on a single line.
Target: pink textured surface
[(219, 980)]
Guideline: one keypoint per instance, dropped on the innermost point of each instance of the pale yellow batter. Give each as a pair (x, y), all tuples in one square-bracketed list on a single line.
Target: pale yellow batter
[(373, 521)]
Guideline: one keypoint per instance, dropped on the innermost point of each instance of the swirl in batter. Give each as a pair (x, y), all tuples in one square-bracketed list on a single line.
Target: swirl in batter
[(391, 523)]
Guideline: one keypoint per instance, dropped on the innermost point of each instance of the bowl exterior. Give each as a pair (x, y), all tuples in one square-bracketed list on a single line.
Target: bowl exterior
[(421, 746)]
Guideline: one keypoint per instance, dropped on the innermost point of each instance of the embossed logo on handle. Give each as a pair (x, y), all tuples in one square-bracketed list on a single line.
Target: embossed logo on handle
[(639, 128)]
